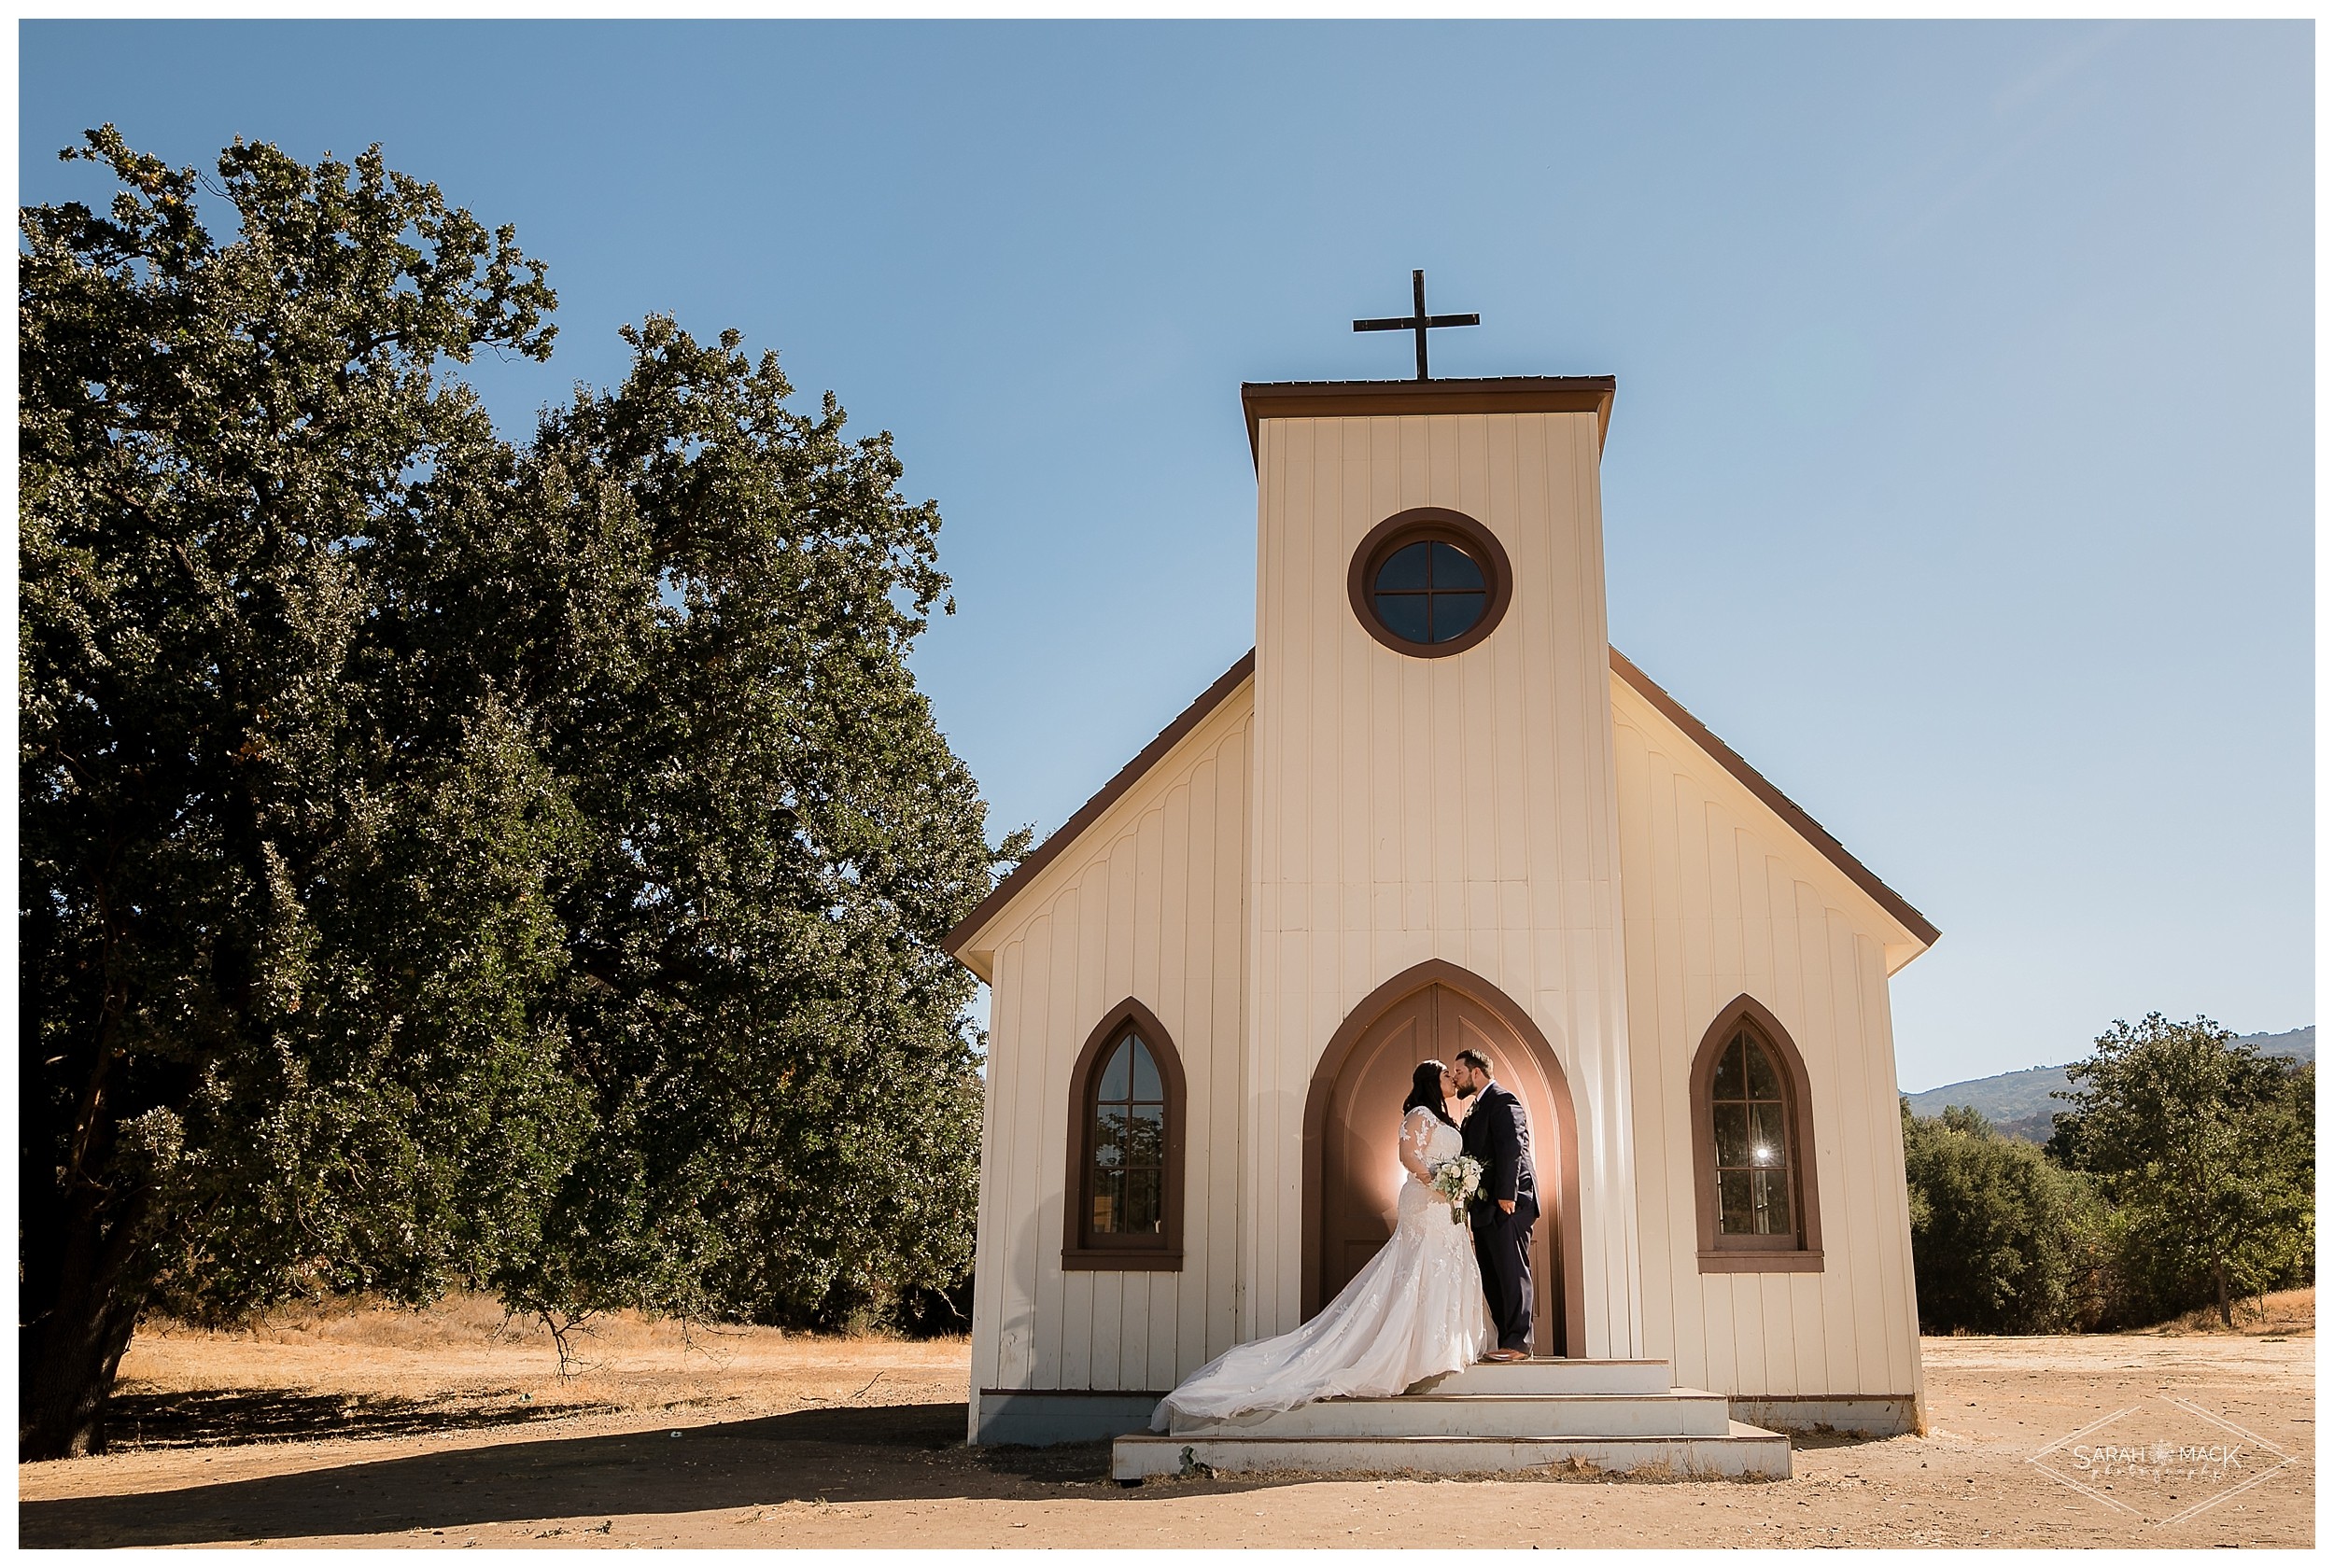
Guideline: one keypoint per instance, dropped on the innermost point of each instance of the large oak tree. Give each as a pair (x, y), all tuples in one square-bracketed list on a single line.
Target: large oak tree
[(446, 862)]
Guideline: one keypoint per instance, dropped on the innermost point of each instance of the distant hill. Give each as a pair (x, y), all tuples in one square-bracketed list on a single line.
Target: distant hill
[(2019, 1103)]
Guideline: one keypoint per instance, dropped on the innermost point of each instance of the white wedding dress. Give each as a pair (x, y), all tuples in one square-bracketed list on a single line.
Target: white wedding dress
[(1415, 1311)]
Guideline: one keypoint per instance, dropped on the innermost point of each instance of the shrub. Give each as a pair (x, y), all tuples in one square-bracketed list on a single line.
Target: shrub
[(2003, 1241)]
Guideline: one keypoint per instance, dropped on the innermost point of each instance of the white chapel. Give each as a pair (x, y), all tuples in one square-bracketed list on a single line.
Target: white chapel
[(1434, 808)]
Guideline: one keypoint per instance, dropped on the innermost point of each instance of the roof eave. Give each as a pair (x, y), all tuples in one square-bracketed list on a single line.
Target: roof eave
[(1360, 399)]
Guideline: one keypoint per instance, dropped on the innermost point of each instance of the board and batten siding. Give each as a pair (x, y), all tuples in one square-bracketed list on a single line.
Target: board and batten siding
[(1459, 808), (1720, 900), (1147, 902)]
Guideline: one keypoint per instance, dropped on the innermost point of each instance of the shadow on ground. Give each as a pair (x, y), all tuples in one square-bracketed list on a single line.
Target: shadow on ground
[(860, 1454), (137, 1421), (1808, 1438), (854, 1454)]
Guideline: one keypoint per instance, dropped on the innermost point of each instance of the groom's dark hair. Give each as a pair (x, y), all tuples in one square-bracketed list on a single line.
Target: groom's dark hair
[(1477, 1060)]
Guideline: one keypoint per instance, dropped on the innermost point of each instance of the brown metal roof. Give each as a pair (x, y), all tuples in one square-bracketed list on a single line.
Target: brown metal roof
[(1355, 400), (1208, 701)]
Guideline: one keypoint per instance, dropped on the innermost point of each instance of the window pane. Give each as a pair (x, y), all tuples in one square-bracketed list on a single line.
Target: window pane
[(1145, 1073), (1728, 1084), (1406, 567), (1110, 1138), (1770, 1203), (1734, 1203), (1767, 1134), (1404, 615), (1734, 1139), (1115, 1075), (1147, 1136), (1455, 613), (1453, 570), (1765, 1084), (1143, 1210), (1109, 1200)]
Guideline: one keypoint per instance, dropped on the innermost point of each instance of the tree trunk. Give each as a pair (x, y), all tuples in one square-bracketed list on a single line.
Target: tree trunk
[(79, 1232), (68, 1355), (2220, 1290)]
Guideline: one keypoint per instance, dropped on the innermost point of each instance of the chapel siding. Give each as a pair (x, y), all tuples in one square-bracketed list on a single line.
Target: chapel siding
[(1721, 900), (1148, 904)]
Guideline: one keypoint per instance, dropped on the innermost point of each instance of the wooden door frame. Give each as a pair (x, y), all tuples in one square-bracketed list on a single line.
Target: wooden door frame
[(1527, 1040)]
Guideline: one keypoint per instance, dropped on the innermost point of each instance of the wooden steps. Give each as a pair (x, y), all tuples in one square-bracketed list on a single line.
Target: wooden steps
[(1616, 1416)]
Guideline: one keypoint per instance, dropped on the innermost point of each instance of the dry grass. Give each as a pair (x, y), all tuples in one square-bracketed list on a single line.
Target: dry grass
[(2290, 1314), (464, 1319), (359, 1368)]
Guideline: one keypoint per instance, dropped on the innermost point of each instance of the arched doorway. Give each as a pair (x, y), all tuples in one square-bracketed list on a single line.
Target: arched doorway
[(1354, 1111)]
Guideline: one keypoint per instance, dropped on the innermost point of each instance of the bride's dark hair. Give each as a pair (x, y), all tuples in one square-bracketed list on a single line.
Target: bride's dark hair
[(1426, 1088)]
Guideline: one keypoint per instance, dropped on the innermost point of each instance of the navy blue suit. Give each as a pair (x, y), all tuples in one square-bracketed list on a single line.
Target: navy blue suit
[(1497, 1133)]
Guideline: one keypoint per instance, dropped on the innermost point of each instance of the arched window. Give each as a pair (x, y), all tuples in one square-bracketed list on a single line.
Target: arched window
[(1755, 1177), (1123, 1196)]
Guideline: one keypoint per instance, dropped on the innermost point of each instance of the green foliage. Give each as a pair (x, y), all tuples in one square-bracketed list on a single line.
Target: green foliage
[(233, 1004), (787, 1110), (2003, 1241), (2207, 1149), (444, 863), (2182, 1175)]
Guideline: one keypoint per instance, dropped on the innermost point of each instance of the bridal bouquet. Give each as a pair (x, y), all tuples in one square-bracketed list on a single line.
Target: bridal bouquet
[(1457, 1180)]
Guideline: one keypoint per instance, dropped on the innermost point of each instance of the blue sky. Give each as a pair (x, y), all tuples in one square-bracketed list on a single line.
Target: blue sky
[(1960, 474)]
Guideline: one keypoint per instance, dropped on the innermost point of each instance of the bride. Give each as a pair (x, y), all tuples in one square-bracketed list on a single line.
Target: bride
[(1415, 1311)]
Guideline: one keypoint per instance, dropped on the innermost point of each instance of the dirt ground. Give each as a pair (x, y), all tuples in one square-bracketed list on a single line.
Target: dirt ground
[(450, 1429)]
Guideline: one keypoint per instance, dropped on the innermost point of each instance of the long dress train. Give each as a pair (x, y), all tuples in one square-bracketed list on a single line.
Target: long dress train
[(1415, 1311)]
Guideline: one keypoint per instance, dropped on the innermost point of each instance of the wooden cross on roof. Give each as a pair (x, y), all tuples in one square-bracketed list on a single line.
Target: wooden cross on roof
[(1418, 321)]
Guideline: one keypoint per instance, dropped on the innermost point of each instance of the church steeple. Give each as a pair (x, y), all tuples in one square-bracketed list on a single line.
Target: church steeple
[(1432, 767)]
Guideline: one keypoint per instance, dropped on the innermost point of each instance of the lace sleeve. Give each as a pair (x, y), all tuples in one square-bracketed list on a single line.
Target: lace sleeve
[(1417, 1136)]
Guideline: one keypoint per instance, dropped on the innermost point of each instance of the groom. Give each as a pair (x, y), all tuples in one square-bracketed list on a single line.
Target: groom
[(1496, 1133)]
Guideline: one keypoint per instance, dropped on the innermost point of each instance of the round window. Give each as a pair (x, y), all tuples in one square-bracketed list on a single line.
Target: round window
[(1429, 582)]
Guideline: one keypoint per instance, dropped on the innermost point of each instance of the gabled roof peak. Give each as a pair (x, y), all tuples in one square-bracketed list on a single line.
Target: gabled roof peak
[(1806, 827)]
